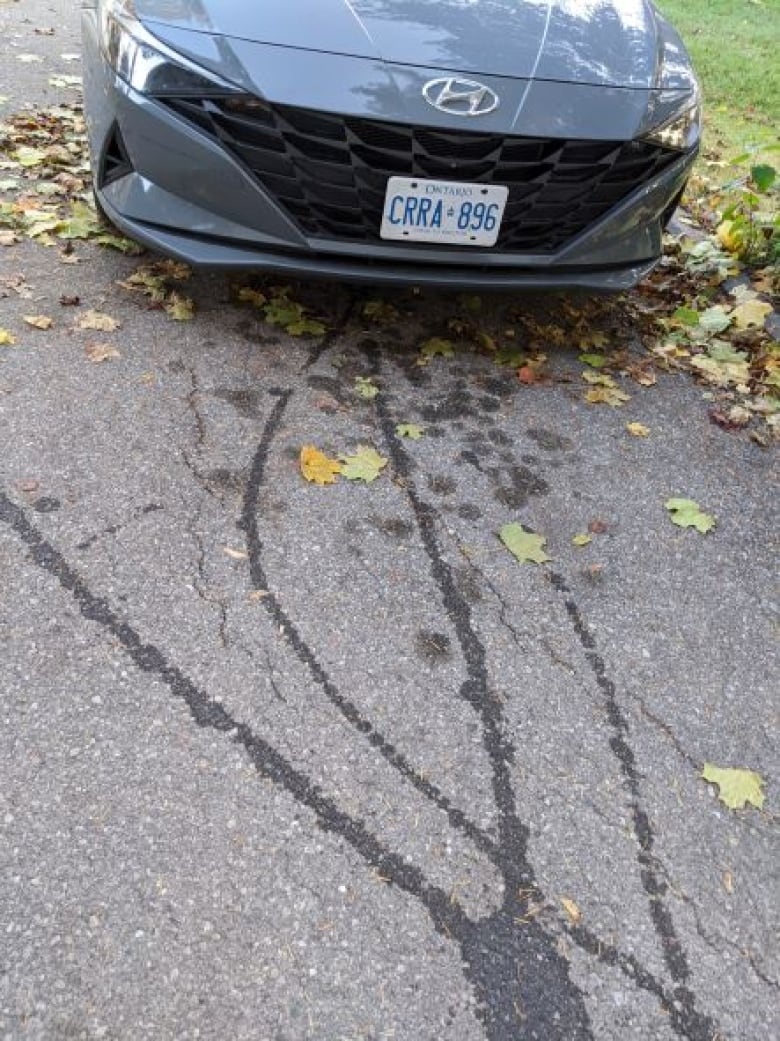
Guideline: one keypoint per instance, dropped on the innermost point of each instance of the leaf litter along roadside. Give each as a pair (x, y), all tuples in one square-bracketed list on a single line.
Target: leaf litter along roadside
[(691, 314)]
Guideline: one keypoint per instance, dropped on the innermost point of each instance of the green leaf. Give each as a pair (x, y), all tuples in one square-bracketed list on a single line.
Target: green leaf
[(685, 513), (366, 388), (524, 545), (763, 176), (436, 346), (511, 356), (737, 788), (410, 430), (582, 540), (686, 316), (365, 465), (306, 327), (596, 361)]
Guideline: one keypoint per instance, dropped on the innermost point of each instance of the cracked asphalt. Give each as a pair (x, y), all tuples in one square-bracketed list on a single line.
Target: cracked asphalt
[(288, 763)]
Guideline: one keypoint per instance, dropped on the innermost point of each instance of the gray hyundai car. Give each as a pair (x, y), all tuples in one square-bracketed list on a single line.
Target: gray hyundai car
[(464, 143)]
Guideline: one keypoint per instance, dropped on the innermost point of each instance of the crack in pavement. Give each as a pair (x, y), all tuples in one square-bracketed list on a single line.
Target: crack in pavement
[(114, 529)]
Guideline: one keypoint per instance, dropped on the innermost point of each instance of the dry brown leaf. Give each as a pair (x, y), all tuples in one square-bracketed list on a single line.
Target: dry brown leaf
[(97, 320), (39, 321), (98, 352), (638, 429)]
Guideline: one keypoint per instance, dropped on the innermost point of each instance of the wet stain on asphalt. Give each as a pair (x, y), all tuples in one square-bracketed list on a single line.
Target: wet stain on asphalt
[(549, 441), (433, 647), (246, 402), (440, 484)]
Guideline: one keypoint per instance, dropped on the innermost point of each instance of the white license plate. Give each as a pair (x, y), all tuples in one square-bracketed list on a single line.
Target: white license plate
[(449, 212)]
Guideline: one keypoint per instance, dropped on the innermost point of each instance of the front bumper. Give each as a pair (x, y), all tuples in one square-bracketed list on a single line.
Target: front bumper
[(185, 195)]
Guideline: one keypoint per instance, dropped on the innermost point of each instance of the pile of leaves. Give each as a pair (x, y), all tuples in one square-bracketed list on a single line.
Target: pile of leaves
[(45, 191)]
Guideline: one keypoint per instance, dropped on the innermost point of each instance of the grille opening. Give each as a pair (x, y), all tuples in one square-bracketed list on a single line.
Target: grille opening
[(116, 162), (330, 172)]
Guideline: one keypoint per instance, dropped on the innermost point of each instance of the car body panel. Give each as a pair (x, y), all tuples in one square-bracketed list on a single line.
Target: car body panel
[(603, 42), (366, 86)]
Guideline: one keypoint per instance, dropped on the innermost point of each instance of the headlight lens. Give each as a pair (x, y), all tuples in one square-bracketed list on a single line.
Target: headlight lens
[(682, 131), (144, 61)]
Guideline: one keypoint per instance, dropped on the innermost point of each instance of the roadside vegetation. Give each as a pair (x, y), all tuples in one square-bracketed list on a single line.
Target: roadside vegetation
[(734, 46)]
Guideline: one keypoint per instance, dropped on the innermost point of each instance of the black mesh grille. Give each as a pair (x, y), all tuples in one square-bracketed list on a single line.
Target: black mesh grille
[(330, 172)]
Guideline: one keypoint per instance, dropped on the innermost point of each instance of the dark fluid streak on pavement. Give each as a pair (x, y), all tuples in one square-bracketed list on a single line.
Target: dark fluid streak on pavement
[(521, 980), (249, 525), (698, 1027), (514, 967)]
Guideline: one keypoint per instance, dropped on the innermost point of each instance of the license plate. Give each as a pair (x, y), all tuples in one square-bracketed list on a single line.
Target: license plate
[(448, 212)]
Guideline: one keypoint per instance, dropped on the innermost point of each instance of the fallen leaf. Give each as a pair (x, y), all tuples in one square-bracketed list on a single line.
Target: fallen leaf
[(258, 594), (410, 430), (247, 295), (366, 388), (39, 321), (685, 513), (582, 540), (180, 308), (736, 788), (596, 361), (524, 545), (235, 554), (97, 320), (598, 527), (714, 319), (98, 352), (727, 880), (365, 465), (6, 338), (638, 429), (573, 912), (436, 347), (528, 375), (381, 312), (751, 313), (317, 467)]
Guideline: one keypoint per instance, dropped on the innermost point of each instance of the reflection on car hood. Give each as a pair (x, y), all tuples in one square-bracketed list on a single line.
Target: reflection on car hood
[(610, 42)]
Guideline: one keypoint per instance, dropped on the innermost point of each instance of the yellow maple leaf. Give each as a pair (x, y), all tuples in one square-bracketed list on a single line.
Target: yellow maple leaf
[(731, 236), (736, 788), (318, 467)]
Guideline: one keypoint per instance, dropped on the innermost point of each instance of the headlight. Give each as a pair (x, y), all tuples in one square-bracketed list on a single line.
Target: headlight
[(682, 131), (145, 62)]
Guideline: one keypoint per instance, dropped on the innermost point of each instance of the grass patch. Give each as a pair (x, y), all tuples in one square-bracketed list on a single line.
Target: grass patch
[(733, 44)]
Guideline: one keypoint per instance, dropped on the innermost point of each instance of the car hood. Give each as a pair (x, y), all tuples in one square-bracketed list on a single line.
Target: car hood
[(608, 42)]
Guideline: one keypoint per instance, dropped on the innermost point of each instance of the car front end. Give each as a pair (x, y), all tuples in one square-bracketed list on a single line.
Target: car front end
[(393, 140)]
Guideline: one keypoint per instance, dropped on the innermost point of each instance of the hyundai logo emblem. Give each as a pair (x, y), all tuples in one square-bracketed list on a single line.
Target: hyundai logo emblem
[(458, 97)]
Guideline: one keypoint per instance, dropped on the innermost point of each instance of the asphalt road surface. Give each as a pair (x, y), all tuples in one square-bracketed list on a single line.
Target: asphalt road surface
[(282, 762)]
